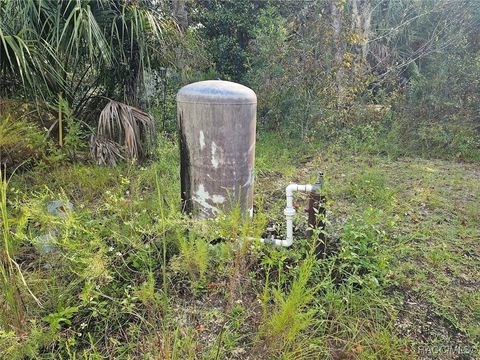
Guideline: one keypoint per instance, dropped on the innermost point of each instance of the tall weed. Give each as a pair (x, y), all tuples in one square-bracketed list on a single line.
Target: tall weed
[(361, 261), (292, 313), (193, 256), (13, 311)]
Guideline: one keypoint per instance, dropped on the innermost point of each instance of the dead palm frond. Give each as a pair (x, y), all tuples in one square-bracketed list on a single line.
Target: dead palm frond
[(105, 152), (130, 128)]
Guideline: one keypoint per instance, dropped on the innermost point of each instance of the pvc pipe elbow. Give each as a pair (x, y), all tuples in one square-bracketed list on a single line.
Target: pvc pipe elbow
[(290, 212), (290, 189), (295, 187), (287, 242)]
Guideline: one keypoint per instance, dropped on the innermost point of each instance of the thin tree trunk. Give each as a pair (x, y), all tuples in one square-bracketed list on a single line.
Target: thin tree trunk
[(181, 16), (133, 81), (361, 23), (336, 14)]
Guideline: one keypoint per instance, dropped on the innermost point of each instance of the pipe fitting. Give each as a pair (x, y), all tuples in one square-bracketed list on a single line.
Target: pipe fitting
[(318, 185), (290, 211), (290, 189)]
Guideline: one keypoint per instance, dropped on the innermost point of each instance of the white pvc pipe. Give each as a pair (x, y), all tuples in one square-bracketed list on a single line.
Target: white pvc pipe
[(289, 214)]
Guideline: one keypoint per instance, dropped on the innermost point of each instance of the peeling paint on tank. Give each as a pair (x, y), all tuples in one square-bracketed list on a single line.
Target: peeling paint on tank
[(249, 180), (216, 159), (202, 140), (218, 199), (235, 181), (201, 196), (249, 152), (214, 151)]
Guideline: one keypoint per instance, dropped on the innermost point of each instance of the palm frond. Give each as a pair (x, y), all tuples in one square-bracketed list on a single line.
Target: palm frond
[(105, 152), (81, 49), (129, 127)]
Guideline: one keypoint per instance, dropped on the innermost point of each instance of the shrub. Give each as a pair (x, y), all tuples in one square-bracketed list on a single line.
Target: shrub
[(360, 259), (20, 141)]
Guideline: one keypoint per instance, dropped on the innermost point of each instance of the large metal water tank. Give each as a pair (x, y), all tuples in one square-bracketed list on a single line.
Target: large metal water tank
[(217, 121)]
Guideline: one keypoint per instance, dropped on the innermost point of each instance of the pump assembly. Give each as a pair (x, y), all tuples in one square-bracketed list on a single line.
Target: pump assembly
[(290, 211), (217, 124)]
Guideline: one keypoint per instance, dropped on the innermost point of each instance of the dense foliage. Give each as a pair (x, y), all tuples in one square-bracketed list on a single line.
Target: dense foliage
[(405, 71)]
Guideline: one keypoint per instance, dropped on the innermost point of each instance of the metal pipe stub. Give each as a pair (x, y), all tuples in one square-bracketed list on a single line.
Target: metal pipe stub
[(316, 214)]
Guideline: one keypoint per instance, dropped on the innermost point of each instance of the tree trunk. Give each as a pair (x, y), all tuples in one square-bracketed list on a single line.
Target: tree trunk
[(180, 14), (181, 17), (336, 14), (361, 23), (134, 79)]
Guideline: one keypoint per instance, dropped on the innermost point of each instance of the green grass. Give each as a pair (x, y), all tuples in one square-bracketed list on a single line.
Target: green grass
[(12, 314), (133, 278)]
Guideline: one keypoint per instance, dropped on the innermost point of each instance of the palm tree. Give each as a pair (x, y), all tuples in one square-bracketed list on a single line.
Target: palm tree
[(81, 47), (86, 50)]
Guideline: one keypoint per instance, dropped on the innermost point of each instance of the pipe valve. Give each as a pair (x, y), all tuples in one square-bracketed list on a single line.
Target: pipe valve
[(318, 185)]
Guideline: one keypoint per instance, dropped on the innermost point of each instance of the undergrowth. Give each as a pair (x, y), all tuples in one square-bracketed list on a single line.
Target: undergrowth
[(126, 275), (394, 135)]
